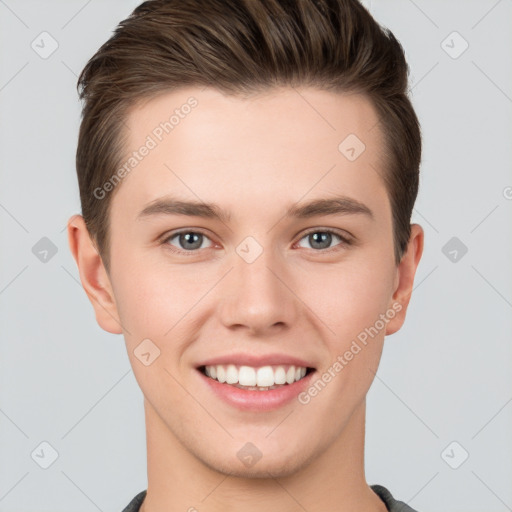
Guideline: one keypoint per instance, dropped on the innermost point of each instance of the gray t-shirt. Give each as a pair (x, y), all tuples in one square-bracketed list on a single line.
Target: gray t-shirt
[(391, 504)]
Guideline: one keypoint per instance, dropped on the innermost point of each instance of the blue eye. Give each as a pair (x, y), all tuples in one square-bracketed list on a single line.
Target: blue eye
[(321, 240), (189, 242)]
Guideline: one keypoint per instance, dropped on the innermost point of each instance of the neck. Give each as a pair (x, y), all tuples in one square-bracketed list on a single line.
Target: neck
[(334, 480)]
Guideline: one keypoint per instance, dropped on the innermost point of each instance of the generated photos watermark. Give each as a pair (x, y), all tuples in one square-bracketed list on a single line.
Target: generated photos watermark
[(355, 348), (152, 140)]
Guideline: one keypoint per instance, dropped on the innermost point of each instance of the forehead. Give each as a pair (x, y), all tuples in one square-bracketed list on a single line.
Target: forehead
[(279, 145)]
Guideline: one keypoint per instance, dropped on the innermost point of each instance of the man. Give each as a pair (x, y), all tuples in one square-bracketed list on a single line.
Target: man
[(247, 173)]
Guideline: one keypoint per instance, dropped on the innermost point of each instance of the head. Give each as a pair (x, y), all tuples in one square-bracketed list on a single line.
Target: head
[(251, 109)]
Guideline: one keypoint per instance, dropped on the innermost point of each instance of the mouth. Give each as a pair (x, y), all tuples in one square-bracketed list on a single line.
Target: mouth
[(251, 378), (255, 382)]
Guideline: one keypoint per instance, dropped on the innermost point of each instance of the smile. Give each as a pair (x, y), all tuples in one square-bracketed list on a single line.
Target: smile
[(255, 388), (252, 378)]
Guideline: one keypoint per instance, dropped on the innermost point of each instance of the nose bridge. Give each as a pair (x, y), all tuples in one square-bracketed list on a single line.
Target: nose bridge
[(257, 297)]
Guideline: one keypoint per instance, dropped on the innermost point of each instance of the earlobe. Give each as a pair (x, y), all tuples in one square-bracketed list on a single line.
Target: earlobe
[(93, 275), (405, 278)]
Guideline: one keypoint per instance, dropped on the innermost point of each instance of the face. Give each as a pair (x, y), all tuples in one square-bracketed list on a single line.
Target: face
[(291, 263)]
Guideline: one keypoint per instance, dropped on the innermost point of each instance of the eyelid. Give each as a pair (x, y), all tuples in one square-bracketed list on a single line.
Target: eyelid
[(347, 238), (344, 235), (171, 234)]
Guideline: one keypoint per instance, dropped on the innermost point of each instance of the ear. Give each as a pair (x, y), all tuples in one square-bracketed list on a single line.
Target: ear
[(93, 275), (404, 281)]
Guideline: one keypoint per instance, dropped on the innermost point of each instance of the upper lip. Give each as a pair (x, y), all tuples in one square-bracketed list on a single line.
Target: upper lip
[(256, 361)]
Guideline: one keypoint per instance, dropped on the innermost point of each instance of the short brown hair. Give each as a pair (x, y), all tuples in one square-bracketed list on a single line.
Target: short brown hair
[(242, 47)]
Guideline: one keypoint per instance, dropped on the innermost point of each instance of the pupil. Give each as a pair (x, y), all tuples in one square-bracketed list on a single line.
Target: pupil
[(321, 238), (194, 239), (191, 238)]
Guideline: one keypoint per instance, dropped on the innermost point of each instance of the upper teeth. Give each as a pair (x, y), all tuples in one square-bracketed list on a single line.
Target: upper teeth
[(249, 376)]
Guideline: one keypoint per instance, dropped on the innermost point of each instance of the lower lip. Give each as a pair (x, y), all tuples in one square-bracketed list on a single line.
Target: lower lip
[(247, 400)]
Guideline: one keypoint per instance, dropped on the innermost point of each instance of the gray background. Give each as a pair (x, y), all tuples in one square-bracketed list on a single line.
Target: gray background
[(443, 388)]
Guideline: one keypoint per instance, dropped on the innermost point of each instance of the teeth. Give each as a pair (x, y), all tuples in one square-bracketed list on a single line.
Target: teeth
[(231, 374), (279, 375), (247, 376), (221, 374), (265, 377)]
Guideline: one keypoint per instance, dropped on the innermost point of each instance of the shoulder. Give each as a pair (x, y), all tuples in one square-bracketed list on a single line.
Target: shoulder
[(391, 503), (136, 502)]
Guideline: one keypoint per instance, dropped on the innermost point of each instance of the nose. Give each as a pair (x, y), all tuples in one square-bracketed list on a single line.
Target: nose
[(258, 296)]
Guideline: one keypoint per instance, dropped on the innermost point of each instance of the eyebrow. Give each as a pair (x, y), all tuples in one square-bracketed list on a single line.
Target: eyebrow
[(340, 205)]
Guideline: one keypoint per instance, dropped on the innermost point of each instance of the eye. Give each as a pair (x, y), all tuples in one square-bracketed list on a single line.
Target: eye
[(322, 239), (188, 241)]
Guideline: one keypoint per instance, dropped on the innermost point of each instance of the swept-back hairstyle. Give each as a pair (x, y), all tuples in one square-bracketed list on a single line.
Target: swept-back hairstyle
[(242, 47)]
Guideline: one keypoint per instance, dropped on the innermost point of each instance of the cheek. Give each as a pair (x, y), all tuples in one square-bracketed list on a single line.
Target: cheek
[(153, 297), (351, 304), (350, 298), (152, 305), (363, 323), (143, 297), (155, 300)]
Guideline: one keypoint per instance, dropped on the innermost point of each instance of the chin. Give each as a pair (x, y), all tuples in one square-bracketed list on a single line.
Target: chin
[(275, 466)]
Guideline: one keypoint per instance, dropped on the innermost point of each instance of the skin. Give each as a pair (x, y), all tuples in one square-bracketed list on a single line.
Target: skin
[(254, 157)]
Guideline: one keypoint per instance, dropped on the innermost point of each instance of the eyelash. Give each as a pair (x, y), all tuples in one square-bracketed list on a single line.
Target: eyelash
[(345, 241)]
